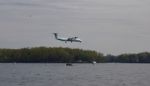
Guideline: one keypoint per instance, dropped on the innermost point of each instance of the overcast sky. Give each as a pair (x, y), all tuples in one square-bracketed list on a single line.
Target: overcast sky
[(107, 26)]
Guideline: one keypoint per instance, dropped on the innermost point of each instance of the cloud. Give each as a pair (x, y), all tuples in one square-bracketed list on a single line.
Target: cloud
[(18, 3)]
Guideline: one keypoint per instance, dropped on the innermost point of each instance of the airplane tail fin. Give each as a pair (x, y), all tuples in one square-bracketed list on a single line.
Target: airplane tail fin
[(56, 35)]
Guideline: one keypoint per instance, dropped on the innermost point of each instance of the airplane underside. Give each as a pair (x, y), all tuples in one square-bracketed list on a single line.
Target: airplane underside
[(69, 40)]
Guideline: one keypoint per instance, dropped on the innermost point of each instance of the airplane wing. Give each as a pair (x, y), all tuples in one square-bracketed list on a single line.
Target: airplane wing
[(72, 38), (75, 37)]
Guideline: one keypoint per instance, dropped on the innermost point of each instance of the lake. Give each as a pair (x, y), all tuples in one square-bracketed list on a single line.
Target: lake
[(58, 74)]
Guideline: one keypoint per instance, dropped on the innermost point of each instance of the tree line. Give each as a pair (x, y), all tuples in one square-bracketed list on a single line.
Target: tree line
[(65, 55), (143, 57)]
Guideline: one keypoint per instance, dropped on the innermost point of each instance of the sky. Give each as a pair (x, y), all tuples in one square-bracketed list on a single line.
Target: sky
[(107, 26)]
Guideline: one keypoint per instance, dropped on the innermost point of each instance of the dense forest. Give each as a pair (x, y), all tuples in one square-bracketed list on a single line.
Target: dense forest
[(65, 55)]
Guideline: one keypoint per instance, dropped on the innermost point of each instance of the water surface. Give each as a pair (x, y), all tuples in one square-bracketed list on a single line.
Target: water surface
[(106, 74)]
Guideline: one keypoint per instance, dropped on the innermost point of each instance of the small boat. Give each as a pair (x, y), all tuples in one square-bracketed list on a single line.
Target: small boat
[(69, 64), (93, 62)]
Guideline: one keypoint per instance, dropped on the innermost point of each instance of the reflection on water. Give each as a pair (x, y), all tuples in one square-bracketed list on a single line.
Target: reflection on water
[(112, 74)]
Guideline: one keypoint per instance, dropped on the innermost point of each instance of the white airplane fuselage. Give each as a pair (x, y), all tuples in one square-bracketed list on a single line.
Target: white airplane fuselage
[(74, 39)]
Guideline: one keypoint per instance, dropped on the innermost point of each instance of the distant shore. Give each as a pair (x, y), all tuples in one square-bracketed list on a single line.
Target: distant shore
[(67, 55)]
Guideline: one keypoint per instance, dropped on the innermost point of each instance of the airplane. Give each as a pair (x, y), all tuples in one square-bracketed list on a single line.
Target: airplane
[(72, 39)]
